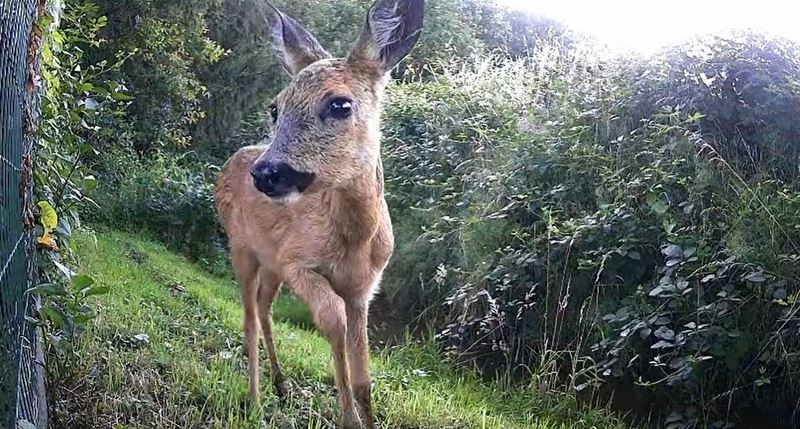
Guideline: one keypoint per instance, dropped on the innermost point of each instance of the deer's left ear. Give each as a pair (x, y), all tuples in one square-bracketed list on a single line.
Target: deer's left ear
[(391, 30)]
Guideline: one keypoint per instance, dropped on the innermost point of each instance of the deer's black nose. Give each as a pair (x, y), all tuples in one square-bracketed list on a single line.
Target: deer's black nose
[(279, 179)]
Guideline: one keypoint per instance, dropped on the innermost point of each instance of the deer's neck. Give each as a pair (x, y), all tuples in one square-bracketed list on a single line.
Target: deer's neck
[(356, 210)]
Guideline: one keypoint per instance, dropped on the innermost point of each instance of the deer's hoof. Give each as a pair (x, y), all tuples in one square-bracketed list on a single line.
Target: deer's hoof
[(281, 391)]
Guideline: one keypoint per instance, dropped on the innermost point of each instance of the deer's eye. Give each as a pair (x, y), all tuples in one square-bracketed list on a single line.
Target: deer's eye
[(340, 108), (273, 111)]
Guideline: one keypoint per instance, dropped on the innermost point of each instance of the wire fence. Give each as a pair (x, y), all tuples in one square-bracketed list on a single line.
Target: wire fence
[(22, 399)]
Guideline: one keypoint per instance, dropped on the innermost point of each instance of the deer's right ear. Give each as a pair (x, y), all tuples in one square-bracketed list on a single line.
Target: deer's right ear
[(392, 29), (295, 47)]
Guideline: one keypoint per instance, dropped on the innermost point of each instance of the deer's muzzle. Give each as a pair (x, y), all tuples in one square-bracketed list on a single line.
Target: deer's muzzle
[(278, 180)]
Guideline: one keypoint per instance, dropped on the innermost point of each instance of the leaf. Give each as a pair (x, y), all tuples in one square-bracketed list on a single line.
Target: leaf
[(90, 182), (90, 103), (756, 277), (672, 251), (663, 288), (662, 320), (56, 315), (118, 96), (82, 281), (97, 290), (68, 273), (47, 289), (86, 149), (64, 228), (47, 242), (676, 363), (662, 345), (49, 218), (659, 207), (664, 333)]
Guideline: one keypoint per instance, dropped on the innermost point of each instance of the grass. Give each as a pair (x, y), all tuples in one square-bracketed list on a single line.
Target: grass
[(165, 351)]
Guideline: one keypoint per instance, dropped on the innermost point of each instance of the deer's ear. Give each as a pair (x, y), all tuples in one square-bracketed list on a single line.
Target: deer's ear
[(392, 28), (295, 47)]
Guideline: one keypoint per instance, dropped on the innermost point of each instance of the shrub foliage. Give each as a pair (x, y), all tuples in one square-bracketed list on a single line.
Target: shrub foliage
[(591, 223)]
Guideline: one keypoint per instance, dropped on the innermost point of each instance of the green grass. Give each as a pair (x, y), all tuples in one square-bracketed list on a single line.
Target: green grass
[(190, 371)]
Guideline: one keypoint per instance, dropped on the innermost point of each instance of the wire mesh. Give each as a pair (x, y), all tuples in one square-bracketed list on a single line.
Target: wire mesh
[(21, 370)]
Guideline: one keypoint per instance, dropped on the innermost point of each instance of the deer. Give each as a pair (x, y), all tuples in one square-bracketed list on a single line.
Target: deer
[(307, 208)]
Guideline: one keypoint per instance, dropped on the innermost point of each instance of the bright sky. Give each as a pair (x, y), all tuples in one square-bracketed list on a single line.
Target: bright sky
[(647, 25)]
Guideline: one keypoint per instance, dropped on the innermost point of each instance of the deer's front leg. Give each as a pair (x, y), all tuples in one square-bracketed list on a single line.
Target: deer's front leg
[(245, 268), (328, 311), (358, 354)]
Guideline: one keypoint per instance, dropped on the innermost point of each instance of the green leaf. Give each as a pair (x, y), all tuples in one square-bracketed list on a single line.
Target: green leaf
[(118, 96), (48, 289), (97, 290), (659, 207), (82, 281), (49, 218), (86, 149), (82, 319), (86, 87), (90, 182), (55, 315)]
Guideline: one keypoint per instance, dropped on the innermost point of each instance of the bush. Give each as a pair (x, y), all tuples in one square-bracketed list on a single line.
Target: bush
[(748, 89), (169, 198), (80, 109), (581, 229)]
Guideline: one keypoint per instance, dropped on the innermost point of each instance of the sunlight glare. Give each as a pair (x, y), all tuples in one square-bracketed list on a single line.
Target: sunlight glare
[(647, 25)]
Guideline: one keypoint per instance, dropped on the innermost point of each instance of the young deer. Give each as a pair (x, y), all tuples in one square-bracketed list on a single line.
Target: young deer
[(308, 208)]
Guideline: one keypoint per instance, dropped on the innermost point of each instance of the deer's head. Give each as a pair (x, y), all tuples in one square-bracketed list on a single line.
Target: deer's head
[(326, 128)]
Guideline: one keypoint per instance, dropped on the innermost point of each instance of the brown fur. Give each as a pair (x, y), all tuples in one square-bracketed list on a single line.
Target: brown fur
[(331, 243)]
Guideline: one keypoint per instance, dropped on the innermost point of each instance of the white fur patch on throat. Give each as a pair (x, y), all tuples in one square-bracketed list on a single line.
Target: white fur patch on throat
[(288, 199)]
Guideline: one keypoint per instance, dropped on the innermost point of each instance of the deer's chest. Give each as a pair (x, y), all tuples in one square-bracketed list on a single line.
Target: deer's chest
[(356, 267)]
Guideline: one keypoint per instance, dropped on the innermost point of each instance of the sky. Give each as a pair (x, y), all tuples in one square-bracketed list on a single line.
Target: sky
[(647, 25)]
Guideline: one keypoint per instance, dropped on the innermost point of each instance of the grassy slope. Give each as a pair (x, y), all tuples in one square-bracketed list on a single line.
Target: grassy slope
[(191, 371)]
